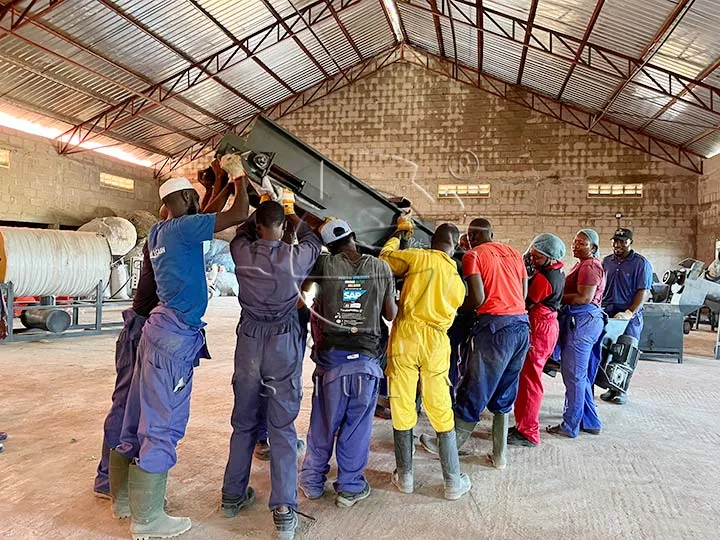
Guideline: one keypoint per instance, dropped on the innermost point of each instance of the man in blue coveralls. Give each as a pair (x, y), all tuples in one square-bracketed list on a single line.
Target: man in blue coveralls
[(268, 356), (355, 292), (144, 301), (629, 279), (172, 341)]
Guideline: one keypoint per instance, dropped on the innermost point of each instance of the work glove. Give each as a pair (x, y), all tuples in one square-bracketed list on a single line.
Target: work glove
[(288, 201), (232, 164), (405, 225), (624, 315), (268, 192)]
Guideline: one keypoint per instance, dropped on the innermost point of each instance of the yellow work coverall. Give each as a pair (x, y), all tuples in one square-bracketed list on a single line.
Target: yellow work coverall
[(419, 345)]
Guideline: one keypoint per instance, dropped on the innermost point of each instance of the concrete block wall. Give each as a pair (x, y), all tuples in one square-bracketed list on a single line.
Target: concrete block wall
[(405, 130), (708, 228), (43, 187)]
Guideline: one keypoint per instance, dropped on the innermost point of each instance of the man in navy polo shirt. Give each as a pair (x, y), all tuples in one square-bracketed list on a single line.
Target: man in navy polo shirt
[(629, 278)]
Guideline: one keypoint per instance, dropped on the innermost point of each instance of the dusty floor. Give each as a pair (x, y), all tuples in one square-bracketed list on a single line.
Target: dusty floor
[(653, 473)]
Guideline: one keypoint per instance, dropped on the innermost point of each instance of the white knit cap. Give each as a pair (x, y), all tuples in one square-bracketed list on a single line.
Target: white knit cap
[(173, 185)]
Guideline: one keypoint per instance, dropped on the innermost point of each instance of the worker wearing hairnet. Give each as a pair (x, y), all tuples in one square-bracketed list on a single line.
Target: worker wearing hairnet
[(268, 356), (582, 324), (355, 293), (420, 348), (545, 290), (172, 341)]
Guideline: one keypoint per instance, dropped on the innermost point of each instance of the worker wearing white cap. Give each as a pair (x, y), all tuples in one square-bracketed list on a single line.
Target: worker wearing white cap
[(355, 293), (158, 406)]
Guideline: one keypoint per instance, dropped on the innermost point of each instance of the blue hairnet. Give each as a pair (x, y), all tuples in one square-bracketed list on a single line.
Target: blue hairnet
[(549, 245), (594, 239)]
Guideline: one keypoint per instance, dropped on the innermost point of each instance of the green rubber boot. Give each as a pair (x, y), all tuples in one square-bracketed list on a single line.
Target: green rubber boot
[(499, 438), (463, 431), (118, 474), (457, 483), (147, 495), (402, 477)]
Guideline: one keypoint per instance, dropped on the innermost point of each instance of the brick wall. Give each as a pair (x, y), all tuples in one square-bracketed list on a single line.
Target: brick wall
[(708, 227), (405, 129), (43, 187)]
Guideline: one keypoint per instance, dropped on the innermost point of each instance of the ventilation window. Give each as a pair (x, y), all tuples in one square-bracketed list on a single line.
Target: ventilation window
[(117, 182), (465, 191), (632, 191), (4, 158)]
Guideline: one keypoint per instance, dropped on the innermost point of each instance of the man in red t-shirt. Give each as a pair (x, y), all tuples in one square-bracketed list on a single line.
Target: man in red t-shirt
[(497, 285)]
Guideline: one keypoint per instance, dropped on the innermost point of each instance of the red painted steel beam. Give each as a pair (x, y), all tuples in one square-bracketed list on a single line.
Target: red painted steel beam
[(583, 42), (20, 18), (702, 75), (390, 24), (479, 12), (324, 88), (438, 30), (598, 59), (235, 40), (67, 83), (297, 40), (72, 62), (563, 47), (344, 30), (66, 39), (658, 40), (165, 43), (320, 42), (526, 41), (32, 107), (187, 78), (569, 114), (452, 32)]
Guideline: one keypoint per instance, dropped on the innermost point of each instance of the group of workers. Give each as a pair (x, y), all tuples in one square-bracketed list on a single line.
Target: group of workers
[(462, 345)]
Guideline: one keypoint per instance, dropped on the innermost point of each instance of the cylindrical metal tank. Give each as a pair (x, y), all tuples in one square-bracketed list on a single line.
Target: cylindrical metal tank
[(42, 262)]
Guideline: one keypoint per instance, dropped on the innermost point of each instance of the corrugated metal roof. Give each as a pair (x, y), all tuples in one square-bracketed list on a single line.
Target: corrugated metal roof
[(83, 57), (629, 26)]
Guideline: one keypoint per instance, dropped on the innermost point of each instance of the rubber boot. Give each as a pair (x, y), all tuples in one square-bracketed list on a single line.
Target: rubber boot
[(463, 431), (402, 477), (118, 468), (499, 438), (149, 520), (456, 483)]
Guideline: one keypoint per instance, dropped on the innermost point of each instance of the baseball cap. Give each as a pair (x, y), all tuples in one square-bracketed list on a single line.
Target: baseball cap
[(335, 230), (622, 234)]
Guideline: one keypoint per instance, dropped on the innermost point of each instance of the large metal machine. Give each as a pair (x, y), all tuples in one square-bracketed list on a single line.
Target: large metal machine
[(684, 290), (322, 187)]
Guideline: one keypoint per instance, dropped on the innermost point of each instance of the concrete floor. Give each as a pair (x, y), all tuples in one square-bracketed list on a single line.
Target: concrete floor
[(653, 473)]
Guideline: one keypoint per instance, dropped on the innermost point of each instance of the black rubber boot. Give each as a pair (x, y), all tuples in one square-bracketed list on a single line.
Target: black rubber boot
[(118, 470), (402, 477), (147, 498), (456, 483)]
